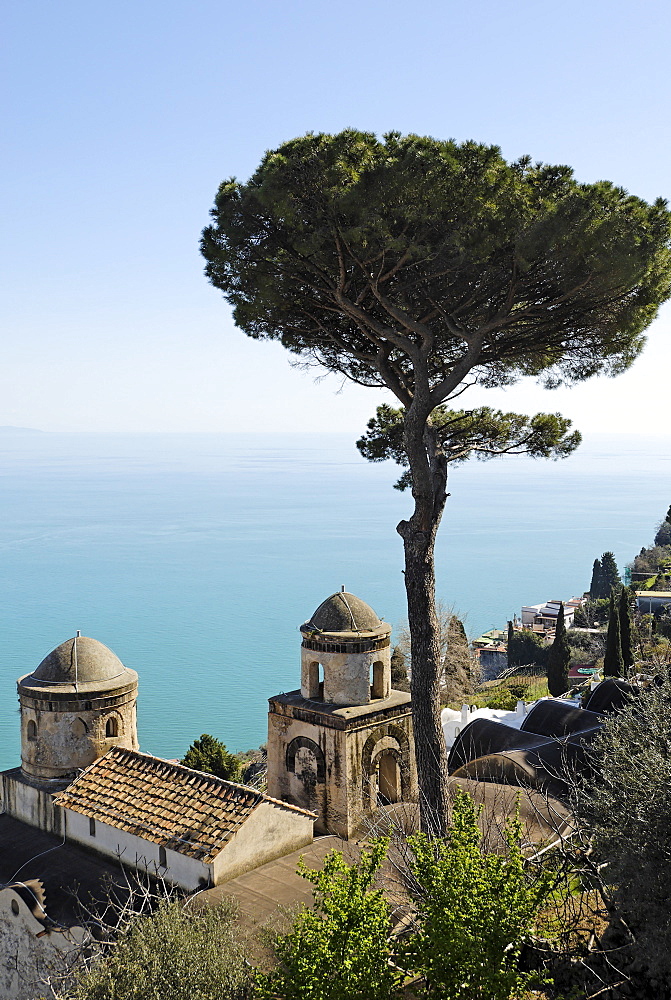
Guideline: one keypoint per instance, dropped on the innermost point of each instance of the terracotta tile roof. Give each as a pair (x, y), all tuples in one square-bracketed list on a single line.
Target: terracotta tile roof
[(166, 803)]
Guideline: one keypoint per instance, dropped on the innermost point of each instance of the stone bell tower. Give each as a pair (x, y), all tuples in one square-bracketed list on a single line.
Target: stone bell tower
[(77, 704), (343, 744)]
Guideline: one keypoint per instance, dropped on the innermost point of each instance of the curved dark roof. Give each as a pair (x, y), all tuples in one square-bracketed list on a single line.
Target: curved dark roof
[(343, 612), (611, 695), (556, 718), (79, 661), (487, 750), (512, 767), (487, 736)]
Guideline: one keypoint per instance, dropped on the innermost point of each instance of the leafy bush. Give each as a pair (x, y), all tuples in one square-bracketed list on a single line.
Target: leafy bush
[(503, 701), (592, 614), (210, 755), (474, 911), (626, 808), (526, 647), (176, 953), (519, 690), (341, 949)]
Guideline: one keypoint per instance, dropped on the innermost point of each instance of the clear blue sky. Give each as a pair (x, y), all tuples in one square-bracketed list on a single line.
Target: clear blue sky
[(120, 120)]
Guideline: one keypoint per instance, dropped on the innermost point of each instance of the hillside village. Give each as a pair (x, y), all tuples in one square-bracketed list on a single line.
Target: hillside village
[(86, 804)]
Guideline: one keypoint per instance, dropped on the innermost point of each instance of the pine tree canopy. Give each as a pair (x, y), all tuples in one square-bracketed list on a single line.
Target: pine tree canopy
[(482, 433), (424, 267), (364, 254), (210, 755)]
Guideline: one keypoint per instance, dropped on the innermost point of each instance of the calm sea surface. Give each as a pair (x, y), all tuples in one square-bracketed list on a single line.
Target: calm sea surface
[(197, 557)]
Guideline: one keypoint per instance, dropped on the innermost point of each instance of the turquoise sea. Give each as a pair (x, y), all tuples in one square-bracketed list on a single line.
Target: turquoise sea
[(196, 557)]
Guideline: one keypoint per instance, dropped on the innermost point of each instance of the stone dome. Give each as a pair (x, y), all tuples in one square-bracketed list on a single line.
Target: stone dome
[(79, 661), (343, 612)]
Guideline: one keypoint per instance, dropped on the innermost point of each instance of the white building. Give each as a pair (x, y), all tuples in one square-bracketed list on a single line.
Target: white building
[(544, 616), (194, 829)]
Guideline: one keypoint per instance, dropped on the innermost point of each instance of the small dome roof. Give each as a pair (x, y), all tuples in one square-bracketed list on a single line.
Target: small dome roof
[(343, 612), (79, 661)]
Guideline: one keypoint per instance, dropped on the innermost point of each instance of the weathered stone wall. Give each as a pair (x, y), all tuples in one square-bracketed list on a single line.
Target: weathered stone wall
[(62, 736), (328, 760), (492, 663), (34, 806), (348, 677), (29, 953)]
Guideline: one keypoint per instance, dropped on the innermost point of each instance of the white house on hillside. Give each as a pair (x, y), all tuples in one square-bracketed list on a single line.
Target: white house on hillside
[(544, 616)]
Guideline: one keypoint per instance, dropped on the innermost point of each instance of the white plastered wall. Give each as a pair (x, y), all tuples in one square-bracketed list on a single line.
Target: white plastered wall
[(182, 870), (270, 831)]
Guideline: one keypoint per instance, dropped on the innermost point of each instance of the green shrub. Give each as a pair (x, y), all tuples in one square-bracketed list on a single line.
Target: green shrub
[(174, 954), (474, 911), (526, 647), (341, 949), (626, 809), (210, 755), (502, 701)]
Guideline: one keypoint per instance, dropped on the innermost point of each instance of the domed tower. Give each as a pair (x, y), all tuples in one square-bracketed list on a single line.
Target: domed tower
[(347, 641), (343, 744), (75, 706)]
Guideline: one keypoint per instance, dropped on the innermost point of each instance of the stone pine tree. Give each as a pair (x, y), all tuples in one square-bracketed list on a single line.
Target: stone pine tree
[(596, 586), (613, 663), (626, 638), (559, 658), (424, 267)]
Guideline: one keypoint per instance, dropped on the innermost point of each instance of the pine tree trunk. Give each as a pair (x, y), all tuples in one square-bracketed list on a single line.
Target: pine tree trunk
[(429, 471), (430, 750)]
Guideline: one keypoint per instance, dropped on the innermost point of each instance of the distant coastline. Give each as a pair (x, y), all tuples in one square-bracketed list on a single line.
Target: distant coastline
[(9, 429)]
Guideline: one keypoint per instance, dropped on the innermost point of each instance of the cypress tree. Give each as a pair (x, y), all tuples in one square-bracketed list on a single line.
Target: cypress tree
[(610, 576), (510, 644), (559, 658), (613, 664), (595, 585), (399, 671), (624, 614)]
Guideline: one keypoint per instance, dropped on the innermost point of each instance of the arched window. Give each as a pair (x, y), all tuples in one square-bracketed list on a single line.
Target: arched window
[(112, 726), (315, 682), (79, 727), (32, 731), (377, 687), (389, 779)]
